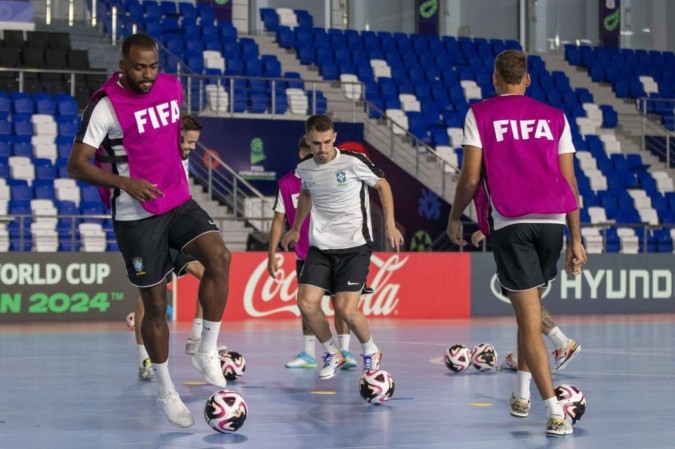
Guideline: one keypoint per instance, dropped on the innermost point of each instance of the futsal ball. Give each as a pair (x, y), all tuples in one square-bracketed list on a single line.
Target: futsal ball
[(572, 401), (225, 411), (457, 358), (130, 321), (484, 357), (376, 387), (233, 364)]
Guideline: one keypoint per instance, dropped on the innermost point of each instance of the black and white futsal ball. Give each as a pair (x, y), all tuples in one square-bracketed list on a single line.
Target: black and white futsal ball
[(225, 411), (457, 358), (484, 357), (376, 387), (233, 364), (572, 400)]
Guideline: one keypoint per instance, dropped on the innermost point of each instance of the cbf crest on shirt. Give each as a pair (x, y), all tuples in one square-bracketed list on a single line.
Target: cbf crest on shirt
[(341, 177), (340, 215)]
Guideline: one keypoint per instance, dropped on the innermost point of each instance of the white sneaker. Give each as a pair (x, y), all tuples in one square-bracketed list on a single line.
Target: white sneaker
[(331, 363), (558, 426), (565, 354), (208, 363), (510, 363), (191, 345), (302, 360), (174, 409), (145, 372), (371, 362)]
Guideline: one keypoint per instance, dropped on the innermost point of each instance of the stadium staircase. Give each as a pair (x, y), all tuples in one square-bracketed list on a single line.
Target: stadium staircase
[(629, 130)]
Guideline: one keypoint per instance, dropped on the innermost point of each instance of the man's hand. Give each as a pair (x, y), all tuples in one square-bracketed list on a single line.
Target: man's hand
[(455, 233), (290, 239), (575, 258), (477, 237), (394, 237), (272, 265), (141, 190)]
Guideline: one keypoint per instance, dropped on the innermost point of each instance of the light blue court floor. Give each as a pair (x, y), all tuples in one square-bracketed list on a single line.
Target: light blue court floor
[(75, 387)]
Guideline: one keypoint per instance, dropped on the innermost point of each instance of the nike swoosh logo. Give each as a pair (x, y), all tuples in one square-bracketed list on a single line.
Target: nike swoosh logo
[(352, 283), (211, 223), (207, 328)]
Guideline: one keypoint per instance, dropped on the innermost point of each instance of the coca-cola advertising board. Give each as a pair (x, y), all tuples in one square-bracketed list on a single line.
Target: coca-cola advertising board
[(407, 285)]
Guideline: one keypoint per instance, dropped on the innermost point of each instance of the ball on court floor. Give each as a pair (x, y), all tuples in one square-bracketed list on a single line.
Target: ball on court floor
[(457, 358), (130, 320), (225, 411), (484, 357), (376, 387), (233, 364), (572, 401)]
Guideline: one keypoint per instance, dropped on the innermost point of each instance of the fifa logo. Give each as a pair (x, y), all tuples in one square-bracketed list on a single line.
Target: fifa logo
[(522, 129)]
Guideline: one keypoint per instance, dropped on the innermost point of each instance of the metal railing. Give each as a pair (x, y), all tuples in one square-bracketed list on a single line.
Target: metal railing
[(655, 136), (223, 184), (69, 239), (73, 76), (643, 232)]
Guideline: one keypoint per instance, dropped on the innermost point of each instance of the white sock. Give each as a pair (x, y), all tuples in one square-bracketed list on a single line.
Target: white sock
[(558, 338), (522, 388), (309, 344), (142, 353), (369, 347), (344, 341), (164, 382), (210, 331), (330, 347), (196, 331), (553, 408)]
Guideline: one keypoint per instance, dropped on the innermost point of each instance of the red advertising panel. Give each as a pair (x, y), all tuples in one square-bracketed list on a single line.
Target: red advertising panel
[(407, 285)]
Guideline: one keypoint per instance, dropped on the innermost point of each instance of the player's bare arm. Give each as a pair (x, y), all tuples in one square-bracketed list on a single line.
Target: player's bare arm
[(275, 237), (466, 189), (575, 257), (81, 169), (392, 234)]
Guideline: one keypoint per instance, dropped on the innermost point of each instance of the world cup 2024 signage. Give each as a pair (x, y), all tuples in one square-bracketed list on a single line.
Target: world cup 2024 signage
[(407, 285)]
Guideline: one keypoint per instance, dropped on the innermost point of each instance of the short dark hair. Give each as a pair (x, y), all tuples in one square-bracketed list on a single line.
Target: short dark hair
[(302, 144), (139, 40), (188, 123), (511, 66), (318, 123)]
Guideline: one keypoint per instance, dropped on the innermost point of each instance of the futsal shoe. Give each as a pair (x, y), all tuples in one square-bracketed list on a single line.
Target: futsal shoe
[(331, 363), (350, 363), (302, 360), (510, 363), (557, 426), (520, 408), (371, 362), (208, 363), (145, 372), (564, 355), (174, 409)]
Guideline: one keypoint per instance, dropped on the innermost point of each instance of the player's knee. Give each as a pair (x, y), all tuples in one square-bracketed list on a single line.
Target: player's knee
[(306, 306), (219, 260), (346, 311)]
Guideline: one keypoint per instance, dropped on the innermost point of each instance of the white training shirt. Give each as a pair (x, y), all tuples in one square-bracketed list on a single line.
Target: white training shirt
[(102, 123), (565, 145), (340, 215), (280, 206)]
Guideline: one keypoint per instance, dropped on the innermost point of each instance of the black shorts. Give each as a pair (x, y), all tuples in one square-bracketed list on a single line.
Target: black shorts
[(527, 254), (336, 271), (145, 244), (180, 262)]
